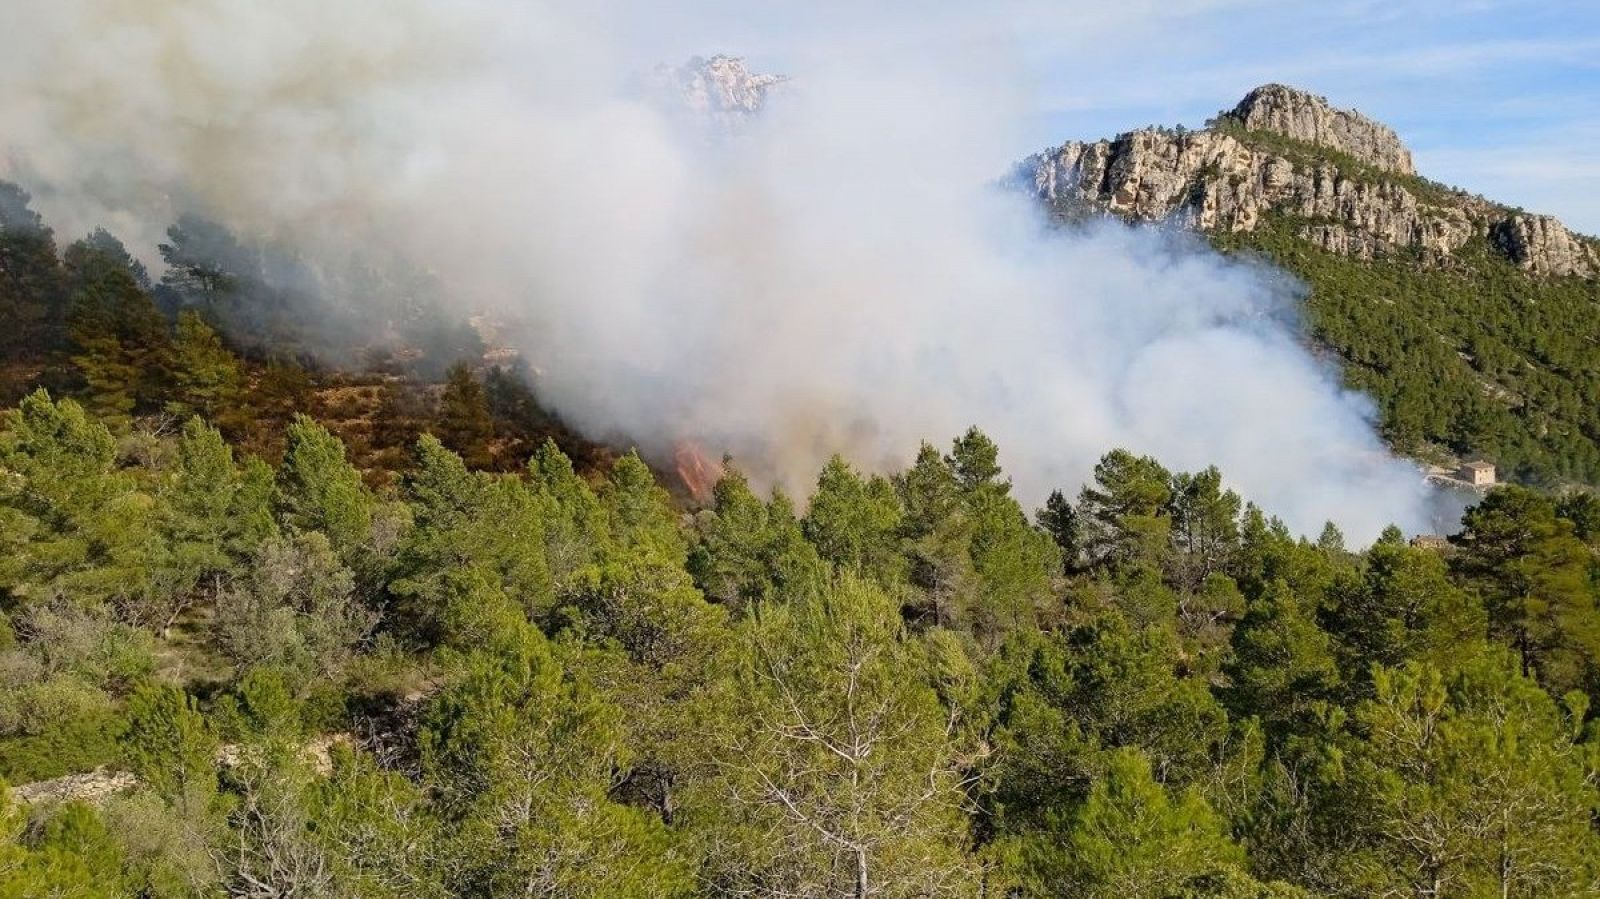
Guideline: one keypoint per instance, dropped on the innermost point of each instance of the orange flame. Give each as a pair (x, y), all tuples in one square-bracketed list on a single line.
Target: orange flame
[(697, 472)]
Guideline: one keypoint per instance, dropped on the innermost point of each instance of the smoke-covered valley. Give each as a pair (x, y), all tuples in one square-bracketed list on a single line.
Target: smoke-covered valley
[(839, 273)]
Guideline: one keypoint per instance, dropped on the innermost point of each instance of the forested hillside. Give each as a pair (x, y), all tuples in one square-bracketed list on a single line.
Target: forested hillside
[(242, 657), (1477, 359), (493, 684), (214, 337)]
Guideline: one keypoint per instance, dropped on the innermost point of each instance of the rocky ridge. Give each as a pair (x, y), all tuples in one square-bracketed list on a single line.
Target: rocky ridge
[(720, 89), (1306, 117), (1346, 182)]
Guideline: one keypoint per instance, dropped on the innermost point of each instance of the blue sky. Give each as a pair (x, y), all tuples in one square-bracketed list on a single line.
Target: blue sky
[(1498, 96)]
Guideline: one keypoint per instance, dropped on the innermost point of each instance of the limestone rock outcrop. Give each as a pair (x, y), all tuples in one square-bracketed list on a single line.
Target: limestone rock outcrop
[(92, 787), (1266, 157), (1307, 117), (721, 89), (1540, 244)]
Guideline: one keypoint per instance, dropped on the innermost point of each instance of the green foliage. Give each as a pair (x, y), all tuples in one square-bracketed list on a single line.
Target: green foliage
[(521, 754), (1066, 700), (59, 686), (1469, 784), (1060, 520), (465, 424), (1404, 609), (1125, 514), (72, 854), (974, 558), (464, 519), (71, 524), (639, 513), (751, 551), (1539, 585), (1476, 357), (575, 526), (1283, 664), (808, 788), (293, 607), (319, 490), (376, 831), (70, 739), (33, 290), (119, 336), (206, 376), (218, 512), (852, 522), (481, 684), (170, 746), (1130, 837)]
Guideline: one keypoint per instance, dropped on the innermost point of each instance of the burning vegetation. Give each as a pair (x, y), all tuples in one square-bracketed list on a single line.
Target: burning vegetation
[(696, 471)]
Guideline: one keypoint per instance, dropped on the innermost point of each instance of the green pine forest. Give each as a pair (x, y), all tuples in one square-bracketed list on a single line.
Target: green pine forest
[(405, 635), (1473, 358)]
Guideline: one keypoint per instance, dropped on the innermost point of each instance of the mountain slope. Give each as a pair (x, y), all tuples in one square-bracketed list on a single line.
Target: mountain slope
[(1471, 323)]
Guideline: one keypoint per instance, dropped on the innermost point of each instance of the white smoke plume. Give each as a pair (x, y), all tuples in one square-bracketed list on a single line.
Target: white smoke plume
[(841, 276)]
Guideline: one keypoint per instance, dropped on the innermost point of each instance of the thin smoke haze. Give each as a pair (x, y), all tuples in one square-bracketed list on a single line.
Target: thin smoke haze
[(842, 275)]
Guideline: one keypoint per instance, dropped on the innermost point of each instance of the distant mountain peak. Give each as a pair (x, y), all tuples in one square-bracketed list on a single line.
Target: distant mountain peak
[(722, 89), (1308, 117)]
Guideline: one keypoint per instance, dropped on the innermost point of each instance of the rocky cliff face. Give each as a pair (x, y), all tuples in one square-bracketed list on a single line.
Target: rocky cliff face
[(1270, 156), (721, 89), (1541, 244), (1306, 117)]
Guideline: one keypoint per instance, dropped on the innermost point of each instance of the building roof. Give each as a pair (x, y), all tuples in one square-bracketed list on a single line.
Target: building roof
[(1479, 466)]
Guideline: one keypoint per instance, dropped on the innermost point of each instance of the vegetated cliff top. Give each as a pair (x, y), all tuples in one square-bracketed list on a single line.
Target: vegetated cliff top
[(1346, 181), (1307, 117)]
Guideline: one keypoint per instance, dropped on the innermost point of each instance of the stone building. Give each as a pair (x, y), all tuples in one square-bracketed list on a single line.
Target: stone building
[(1478, 474)]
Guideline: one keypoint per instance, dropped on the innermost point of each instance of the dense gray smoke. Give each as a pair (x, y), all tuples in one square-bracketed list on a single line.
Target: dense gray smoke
[(839, 275)]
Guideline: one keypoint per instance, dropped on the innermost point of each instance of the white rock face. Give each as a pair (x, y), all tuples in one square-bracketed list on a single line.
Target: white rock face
[(1220, 180), (92, 787), (1542, 245), (721, 89), (1308, 117)]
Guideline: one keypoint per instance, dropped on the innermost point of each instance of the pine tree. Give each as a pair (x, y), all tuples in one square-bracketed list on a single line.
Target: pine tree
[(1060, 521), (73, 525), (171, 747), (853, 522), (1283, 660), (206, 376), (1403, 609), (33, 293), (466, 519), (1130, 837), (205, 264), (751, 552), (120, 340), (809, 798), (639, 513), (1125, 516), (1540, 590), (319, 490), (1468, 784), (1205, 529), (521, 755), (464, 422), (575, 524)]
